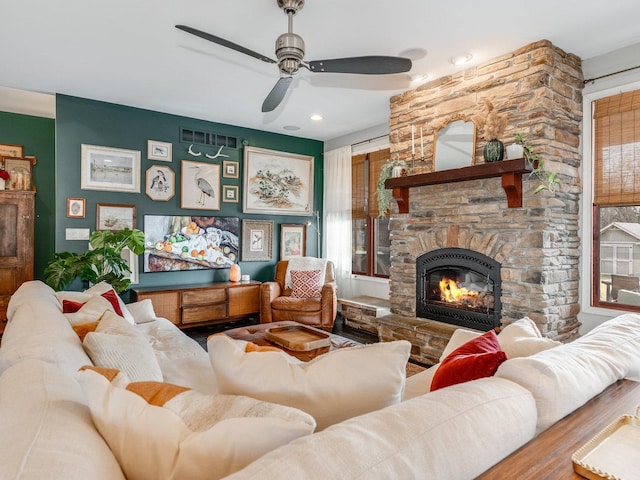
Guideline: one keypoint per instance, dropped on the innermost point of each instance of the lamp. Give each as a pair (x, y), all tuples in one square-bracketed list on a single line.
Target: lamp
[(316, 227)]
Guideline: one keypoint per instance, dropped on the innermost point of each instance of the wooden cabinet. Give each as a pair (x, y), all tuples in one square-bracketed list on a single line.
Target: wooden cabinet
[(204, 304), (16, 244)]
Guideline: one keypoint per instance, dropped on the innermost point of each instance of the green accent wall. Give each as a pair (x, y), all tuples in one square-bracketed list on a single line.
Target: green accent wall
[(81, 121), (37, 135)]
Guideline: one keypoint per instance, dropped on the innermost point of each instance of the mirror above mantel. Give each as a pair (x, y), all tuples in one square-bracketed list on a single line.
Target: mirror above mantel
[(454, 143)]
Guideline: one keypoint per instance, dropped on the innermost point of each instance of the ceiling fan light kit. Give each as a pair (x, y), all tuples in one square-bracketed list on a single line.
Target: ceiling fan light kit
[(290, 50)]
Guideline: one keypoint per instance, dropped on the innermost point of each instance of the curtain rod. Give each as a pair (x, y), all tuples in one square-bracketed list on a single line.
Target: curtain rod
[(369, 141), (609, 75)]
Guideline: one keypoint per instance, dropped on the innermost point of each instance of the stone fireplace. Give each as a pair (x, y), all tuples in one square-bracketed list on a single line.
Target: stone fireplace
[(534, 248)]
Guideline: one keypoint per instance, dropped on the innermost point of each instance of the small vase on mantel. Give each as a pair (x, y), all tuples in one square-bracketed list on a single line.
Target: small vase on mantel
[(493, 151)]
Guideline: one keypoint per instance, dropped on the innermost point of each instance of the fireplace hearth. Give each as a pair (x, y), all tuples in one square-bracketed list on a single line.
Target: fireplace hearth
[(459, 287)]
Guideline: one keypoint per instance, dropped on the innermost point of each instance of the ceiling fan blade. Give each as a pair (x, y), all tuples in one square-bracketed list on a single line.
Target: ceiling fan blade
[(276, 95), (371, 65), (224, 43)]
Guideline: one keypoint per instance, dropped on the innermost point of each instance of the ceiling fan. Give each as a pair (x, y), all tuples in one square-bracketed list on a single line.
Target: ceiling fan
[(290, 54)]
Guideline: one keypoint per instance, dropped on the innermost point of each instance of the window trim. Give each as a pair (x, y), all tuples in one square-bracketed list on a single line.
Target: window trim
[(589, 255)]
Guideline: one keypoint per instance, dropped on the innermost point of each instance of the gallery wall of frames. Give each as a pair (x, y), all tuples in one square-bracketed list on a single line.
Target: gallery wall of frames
[(207, 195)]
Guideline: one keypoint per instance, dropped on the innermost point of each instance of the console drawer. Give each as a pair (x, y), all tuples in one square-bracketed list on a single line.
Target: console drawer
[(204, 313), (204, 297)]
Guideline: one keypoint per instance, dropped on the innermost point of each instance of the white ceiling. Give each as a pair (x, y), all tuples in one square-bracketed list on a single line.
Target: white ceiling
[(128, 52)]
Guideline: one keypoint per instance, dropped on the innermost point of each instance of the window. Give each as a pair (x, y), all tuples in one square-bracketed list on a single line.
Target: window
[(371, 253), (616, 203)]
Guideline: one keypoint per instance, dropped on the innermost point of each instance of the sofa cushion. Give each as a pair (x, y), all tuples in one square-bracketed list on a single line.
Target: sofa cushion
[(100, 289), (142, 311), (563, 378), (38, 329), (455, 433), (165, 431), (522, 338), (332, 387), (46, 427), (477, 358)]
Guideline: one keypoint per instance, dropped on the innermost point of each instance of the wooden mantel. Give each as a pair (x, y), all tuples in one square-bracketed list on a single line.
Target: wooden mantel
[(510, 170)]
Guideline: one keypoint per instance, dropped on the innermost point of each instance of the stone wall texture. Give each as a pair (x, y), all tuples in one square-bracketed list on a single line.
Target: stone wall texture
[(538, 88)]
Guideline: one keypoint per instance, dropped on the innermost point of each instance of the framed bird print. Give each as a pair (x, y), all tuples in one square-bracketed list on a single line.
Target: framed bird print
[(200, 185), (160, 183)]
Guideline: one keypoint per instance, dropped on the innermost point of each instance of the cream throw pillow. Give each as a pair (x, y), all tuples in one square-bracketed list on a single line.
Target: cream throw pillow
[(522, 338), (341, 384), (142, 311), (117, 344), (186, 434)]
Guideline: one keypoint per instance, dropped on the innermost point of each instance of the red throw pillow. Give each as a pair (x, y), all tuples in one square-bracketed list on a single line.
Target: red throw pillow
[(478, 358), (305, 283), (69, 306)]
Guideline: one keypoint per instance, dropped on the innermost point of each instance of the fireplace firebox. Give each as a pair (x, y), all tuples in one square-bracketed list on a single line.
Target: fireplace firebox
[(460, 287)]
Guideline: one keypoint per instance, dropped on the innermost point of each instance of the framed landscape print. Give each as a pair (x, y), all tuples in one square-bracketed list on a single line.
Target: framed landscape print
[(159, 151), (200, 185), (111, 169), (293, 241), (160, 182), (277, 182), (257, 240), (110, 216)]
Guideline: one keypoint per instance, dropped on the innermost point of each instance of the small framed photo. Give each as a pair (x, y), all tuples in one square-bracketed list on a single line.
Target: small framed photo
[(257, 240), (110, 216), (293, 241), (7, 150), (159, 151), (230, 193), (200, 185), (230, 169), (110, 169), (160, 183), (76, 207), (21, 170)]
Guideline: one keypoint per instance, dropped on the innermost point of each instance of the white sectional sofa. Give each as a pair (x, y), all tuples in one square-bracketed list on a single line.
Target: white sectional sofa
[(47, 429)]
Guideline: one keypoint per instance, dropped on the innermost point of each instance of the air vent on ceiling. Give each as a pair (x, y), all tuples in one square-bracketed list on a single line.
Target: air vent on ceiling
[(207, 138)]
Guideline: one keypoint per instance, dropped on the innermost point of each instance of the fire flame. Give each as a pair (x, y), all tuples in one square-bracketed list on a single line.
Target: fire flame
[(451, 293)]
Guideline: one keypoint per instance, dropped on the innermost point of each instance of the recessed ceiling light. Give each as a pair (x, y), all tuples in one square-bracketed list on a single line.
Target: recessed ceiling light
[(461, 59), (413, 53), (291, 128), (316, 117)]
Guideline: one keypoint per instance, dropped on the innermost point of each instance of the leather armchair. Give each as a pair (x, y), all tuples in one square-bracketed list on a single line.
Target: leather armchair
[(277, 304)]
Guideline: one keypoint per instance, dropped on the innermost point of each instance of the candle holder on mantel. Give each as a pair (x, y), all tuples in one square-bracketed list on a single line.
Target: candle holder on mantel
[(418, 167)]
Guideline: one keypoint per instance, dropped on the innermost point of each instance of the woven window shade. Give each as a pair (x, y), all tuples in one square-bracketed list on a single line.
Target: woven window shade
[(617, 150), (358, 186), (376, 161)]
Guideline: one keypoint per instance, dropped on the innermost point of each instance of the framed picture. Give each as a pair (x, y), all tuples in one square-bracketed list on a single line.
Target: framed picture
[(160, 183), (76, 207), (257, 240), (229, 193), (111, 169), (178, 243), (111, 216), (277, 183), (159, 151), (293, 241), (21, 170), (8, 150), (230, 169), (200, 185)]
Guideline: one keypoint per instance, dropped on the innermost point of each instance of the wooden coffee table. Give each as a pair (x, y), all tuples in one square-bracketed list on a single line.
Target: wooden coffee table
[(256, 334)]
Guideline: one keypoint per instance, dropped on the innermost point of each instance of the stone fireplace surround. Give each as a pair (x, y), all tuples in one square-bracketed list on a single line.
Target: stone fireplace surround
[(538, 88)]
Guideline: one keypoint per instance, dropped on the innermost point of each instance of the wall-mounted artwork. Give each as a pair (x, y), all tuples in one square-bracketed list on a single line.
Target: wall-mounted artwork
[(112, 169), (293, 241), (174, 243), (160, 182), (277, 182), (76, 207), (159, 150), (230, 193), (110, 216), (257, 240), (200, 185)]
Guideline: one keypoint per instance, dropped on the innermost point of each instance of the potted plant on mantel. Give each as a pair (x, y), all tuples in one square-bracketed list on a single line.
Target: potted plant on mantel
[(384, 195), (491, 126), (102, 262), (549, 179)]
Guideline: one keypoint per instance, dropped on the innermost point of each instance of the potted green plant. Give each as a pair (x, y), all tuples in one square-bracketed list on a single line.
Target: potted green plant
[(102, 262), (549, 179)]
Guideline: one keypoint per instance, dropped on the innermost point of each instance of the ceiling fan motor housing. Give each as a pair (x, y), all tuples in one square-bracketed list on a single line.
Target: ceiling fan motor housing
[(291, 6), (290, 52)]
